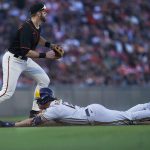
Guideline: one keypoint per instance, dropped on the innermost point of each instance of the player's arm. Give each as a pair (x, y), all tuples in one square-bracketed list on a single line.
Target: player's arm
[(59, 52), (24, 123), (25, 44), (38, 120), (42, 42), (34, 54), (30, 122)]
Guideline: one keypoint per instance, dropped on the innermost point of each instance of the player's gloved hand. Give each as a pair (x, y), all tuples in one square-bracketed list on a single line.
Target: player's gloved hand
[(36, 121), (59, 52), (6, 124)]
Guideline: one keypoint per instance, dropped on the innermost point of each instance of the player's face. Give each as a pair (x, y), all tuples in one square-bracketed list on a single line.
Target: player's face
[(42, 107), (43, 15)]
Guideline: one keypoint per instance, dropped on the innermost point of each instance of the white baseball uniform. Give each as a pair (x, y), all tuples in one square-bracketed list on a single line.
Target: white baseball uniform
[(94, 113), (15, 61), (13, 67)]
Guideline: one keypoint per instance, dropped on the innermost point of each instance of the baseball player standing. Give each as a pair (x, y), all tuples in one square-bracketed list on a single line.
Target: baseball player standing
[(19, 56)]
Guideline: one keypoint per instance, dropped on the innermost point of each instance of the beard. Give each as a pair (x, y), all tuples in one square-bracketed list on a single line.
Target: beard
[(43, 19)]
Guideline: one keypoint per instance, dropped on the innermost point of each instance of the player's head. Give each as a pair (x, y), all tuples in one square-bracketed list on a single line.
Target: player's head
[(44, 96), (39, 9)]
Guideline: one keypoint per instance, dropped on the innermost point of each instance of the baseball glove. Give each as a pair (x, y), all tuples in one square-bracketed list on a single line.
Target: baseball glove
[(59, 52)]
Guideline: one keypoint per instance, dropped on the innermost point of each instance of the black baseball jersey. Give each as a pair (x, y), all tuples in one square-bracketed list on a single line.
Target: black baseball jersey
[(26, 39)]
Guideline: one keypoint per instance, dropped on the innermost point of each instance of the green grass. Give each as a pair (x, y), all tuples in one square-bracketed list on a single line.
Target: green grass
[(76, 138)]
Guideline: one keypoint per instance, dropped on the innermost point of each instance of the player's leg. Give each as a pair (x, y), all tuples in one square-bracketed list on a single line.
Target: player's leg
[(101, 114), (11, 72), (139, 107), (140, 115), (39, 75)]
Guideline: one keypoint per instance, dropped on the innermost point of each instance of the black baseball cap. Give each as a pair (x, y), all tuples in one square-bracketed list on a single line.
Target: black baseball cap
[(37, 7)]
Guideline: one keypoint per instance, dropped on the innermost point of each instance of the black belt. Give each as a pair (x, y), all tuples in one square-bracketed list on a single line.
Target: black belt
[(20, 57), (87, 112)]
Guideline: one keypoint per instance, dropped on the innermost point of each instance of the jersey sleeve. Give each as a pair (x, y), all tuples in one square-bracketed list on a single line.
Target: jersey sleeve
[(51, 113), (25, 39)]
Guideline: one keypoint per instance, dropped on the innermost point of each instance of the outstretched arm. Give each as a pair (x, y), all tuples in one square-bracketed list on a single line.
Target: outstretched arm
[(24, 123), (38, 120), (31, 122)]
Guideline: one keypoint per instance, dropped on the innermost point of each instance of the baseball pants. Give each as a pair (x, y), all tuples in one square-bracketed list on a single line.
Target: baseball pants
[(12, 69), (100, 113)]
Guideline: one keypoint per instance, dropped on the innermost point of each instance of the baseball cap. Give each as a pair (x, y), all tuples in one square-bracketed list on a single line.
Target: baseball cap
[(37, 7)]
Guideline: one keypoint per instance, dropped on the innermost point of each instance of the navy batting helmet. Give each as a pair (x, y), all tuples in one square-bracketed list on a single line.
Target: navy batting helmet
[(44, 95)]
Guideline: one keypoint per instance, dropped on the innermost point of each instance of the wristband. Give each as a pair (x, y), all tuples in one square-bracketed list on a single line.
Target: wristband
[(47, 44), (42, 55)]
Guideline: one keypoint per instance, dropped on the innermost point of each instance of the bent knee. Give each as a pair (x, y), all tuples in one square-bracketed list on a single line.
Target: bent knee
[(9, 95), (45, 81), (6, 95)]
